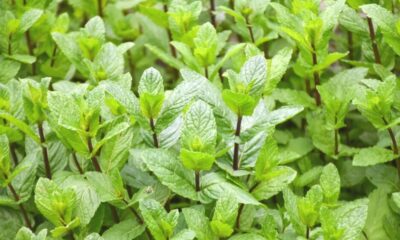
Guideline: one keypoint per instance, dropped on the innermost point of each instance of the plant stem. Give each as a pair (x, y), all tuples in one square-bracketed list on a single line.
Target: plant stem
[(171, 47), (138, 218), (308, 86), (100, 8), (30, 49), (10, 44), (236, 146), (241, 206), (44, 150), (307, 232), (316, 75), (13, 154), (266, 50), (206, 72), (350, 45), (372, 36), (212, 16), (153, 129), (95, 163), (197, 180), (53, 56), (231, 4), (395, 147), (21, 206), (240, 211), (78, 166), (336, 136), (336, 149), (250, 28)]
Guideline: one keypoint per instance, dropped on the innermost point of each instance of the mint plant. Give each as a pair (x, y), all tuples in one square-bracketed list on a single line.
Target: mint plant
[(180, 120)]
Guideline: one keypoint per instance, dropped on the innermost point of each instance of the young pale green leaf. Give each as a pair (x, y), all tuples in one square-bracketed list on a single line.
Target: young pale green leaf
[(56, 204), (199, 134), (160, 223), (205, 45), (224, 216), (373, 155), (330, 183), (309, 206), (25, 233), (291, 207), (241, 104)]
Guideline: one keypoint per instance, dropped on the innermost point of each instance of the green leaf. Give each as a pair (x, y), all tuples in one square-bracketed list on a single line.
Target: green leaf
[(239, 103), (71, 50), (205, 44), (198, 137), (224, 216), (199, 223), (254, 75), (115, 131), (385, 20), (328, 60), (215, 186), (151, 82), (10, 222), (232, 51), (20, 125), (294, 97), (5, 164), (160, 223), (274, 181), (25, 233), (330, 183), (276, 68), (56, 204), (170, 171), (283, 114), (27, 59), (185, 234), (151, 104), (86, 198), (309, 206), (28, 19), (373, 155), (109, 188), (125, 230), (165, 57), (378, 210)]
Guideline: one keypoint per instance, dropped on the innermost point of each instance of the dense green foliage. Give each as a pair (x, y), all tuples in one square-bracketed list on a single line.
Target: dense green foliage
[(190, 119)]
